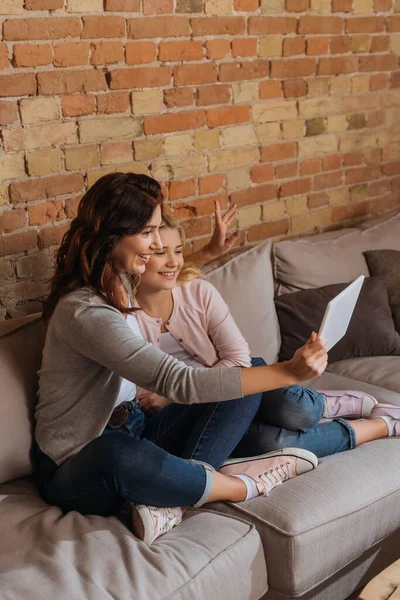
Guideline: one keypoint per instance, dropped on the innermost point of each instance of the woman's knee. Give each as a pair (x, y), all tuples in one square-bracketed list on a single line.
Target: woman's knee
[(294, 408)]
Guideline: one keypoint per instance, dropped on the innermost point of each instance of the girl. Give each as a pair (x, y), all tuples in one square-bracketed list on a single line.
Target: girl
[(95, 450), (186, 317)]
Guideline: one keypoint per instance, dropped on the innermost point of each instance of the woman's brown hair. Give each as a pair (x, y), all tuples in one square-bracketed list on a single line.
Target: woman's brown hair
[(117, 205)]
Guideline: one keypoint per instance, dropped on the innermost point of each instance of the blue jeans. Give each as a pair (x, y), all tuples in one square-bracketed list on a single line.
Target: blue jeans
[(152, 460), (289, 417)]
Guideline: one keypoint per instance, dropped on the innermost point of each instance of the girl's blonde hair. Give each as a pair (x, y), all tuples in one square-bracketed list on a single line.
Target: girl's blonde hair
[(189, 271)]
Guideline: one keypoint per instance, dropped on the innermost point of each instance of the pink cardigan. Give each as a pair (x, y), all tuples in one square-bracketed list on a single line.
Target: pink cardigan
[(202, 324)]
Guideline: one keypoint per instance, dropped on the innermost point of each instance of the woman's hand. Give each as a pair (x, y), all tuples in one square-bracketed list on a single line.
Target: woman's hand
[(310, 360), (151, 403)]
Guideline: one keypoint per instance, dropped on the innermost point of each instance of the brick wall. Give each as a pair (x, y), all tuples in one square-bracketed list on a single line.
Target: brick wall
[(289, 108)]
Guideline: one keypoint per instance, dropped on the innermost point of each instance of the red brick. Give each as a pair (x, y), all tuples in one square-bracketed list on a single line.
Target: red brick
[(8, 113), (272, 25), (254, 195), (3, 56), (382, 5), (352, 158), (254, 69), (71, 206), (378, 188), (46, 212), (376, 118), (179, 97), (71, 54), (244, 47), (286, 170), (182, 189), (393, 24), (245, 5), (317, 46), (294, 45), (266, 230), (198, 207), (191, 119), (213, 94), (39, 189), (51, 236), (337, 65), (140, 53), (380, 81), (262, 173), (217, 48), (350, 211), (297, 5), (203, 26), (320, 25), (310, 166), (210, 184), (110, 103), (278, 151), (270, 89), (180, 51), (332, 163), (380, 205), (69, 82), (197, 227), (39, 29), (18, 85), (395, 80), (294, 88), (158, 7), (392, 168), (295, 67), (78, 105), (12, 220), (32, 55), (380, 43), (43, 4), (195, 74), (294, 188), (342, 5), (328, 180), (340, 44), (17, 242), (378, 62), (103, 27), (105, 53), (140, 77), (122, 5), (217, 117), (365, 25), (317, 199), (158, 27)]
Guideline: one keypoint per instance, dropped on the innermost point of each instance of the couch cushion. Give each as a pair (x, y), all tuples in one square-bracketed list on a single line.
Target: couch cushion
[(386, 263), (246, 284), (316, 524), (21, 343), (381, 371), (45, 555), (333, 257)]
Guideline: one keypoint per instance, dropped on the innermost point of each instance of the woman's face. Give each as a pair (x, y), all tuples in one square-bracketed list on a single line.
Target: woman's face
[(132, 253), (165, 264)]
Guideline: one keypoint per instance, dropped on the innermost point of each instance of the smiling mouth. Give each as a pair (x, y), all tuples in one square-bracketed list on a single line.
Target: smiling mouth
[(168, 274), (145, 257)]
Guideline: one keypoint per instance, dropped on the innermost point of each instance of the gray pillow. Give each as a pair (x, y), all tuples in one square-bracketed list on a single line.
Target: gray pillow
[(371, 330), (386, 263)]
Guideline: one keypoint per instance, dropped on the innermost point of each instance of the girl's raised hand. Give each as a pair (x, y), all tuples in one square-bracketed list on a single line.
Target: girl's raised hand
[(221, 242)]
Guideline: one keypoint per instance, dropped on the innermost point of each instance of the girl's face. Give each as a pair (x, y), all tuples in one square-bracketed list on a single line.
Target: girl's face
[(132, 253), (165, 264)]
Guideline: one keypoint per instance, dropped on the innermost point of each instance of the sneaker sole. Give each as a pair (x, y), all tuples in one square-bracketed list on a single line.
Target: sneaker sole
[(142, 522), (295, 452)]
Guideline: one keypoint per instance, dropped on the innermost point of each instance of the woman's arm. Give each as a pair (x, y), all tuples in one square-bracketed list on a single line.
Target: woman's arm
[(220, 242)]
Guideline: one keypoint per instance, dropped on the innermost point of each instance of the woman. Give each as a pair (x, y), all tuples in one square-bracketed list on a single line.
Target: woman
[(95, 450), (186, 317)]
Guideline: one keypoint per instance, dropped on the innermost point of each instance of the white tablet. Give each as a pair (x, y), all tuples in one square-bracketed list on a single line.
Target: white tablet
[(338, 313)]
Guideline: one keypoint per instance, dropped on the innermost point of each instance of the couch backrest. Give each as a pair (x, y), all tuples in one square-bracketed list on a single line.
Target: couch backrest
[(21, 344)]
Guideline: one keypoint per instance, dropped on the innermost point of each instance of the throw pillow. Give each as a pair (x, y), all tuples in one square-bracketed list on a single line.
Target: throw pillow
[(387, 264), (371, 330)]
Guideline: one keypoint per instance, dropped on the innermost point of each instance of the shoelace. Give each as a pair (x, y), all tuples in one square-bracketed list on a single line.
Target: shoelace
[(164, 520), (276, 476)]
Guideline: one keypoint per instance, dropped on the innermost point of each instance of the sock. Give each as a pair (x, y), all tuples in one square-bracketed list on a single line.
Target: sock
[(390, 424), (252, 489)]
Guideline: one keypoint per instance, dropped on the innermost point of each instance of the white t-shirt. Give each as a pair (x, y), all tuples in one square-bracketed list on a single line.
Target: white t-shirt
[(170, 345), (127, 391)]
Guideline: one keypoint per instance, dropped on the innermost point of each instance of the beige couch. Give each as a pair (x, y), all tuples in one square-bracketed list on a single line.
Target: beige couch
[(320, 536)]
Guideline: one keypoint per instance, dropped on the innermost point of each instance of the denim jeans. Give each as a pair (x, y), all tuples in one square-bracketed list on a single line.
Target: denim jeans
[(152, 460), (290, 417)]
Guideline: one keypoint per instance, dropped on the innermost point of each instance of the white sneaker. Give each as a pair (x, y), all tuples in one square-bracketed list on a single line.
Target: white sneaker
[(150, 522)]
